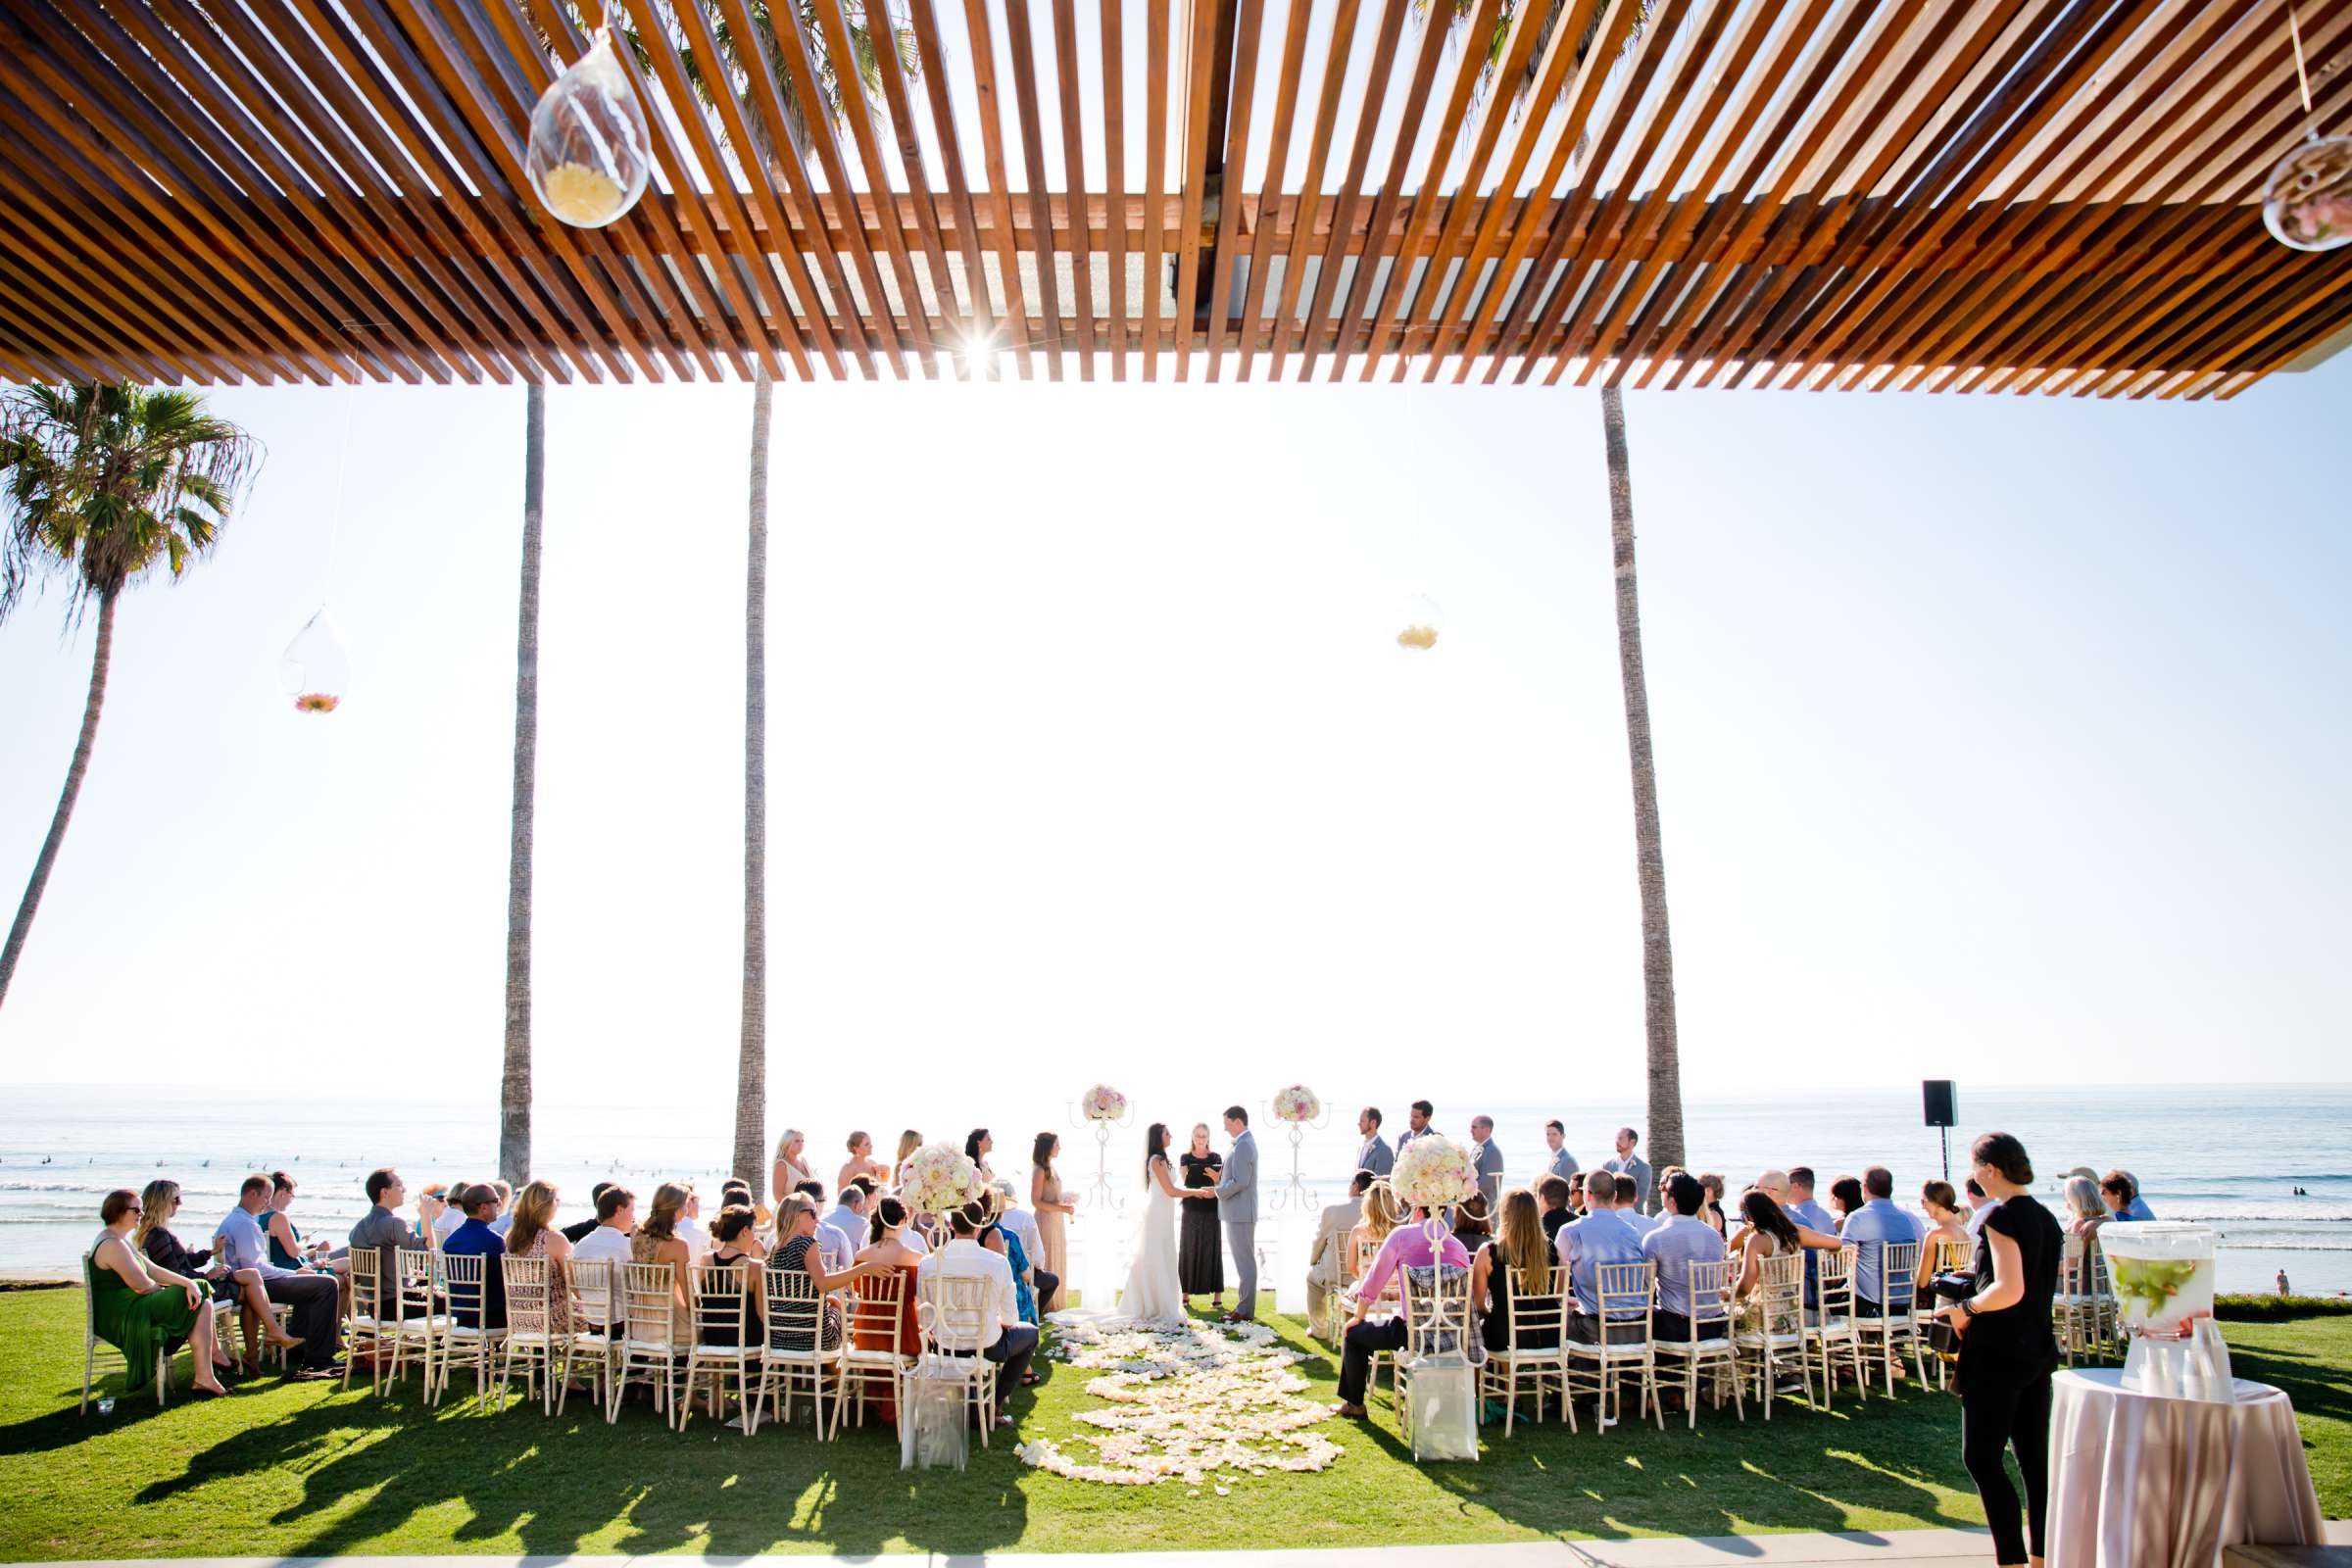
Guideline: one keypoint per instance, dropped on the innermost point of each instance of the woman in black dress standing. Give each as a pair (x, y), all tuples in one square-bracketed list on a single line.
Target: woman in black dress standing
[(2008, 1349), (1200, 1250)]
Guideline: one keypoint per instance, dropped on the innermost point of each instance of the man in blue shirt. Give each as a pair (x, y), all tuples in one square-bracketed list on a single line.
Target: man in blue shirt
[(1799, 1202), (314, 1297), (475, 1239), (1602, 1237), (1682, 1239), (1869, 1229), (2119, 1190), (1632, 1165)]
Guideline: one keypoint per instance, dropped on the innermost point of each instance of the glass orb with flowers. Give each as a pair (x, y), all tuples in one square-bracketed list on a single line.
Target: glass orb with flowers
[(1433, 1172), (1103, 1104), (1297, 1103)]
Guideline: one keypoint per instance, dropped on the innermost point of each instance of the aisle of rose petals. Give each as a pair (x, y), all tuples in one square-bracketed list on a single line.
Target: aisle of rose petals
[(1206, 1406)]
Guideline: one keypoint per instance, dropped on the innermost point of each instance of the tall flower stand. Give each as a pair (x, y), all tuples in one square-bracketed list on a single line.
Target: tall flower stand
[(1098, 1246)]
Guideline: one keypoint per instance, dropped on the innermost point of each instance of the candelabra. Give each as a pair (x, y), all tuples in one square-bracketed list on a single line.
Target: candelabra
[(1296, 1194), (1100, 1195)]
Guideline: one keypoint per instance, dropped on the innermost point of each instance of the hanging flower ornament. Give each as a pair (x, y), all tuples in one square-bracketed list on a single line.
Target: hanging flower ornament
[(1103, 1104), (939, 1180), (1421, 620), (589, 155), (2307, 202), (1433, 1172), (313, 669)]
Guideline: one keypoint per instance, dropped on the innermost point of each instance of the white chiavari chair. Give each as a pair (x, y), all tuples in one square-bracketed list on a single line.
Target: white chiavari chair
[(1771, 1334), (368, 1328), (99, 1356), (1708, 1347), (422, 1316), (652, 1347), (1883, 1337), (953, 1311), (1534, 1356), (727, 1336), (597, 1328), (1830, 1325), (466, 1337), (1623, 1343), (533, 1343), (877, 1354)]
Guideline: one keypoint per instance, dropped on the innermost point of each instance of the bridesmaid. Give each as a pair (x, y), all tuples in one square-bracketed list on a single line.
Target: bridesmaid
[(1053, 1213), (1200, 1249), (792, 1165)]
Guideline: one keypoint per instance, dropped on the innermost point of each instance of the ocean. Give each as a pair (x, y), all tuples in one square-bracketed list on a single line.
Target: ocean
[(2227, 1155)]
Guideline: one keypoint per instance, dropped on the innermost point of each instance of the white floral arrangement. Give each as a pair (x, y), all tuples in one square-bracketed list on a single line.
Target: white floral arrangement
[(1103, 1104), (1297, 1103), (1433, 1172), (939, 1179)]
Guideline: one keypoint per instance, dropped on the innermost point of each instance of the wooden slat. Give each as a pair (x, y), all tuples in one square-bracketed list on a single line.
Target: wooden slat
[(1114, 179), (1202, 18), (983, 57), (1021, 47), (1249, 24), (980, 316), (1288, 333)]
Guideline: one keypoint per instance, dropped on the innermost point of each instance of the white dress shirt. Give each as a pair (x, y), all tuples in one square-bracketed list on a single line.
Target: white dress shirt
[(964, 1256), (242, 1245)]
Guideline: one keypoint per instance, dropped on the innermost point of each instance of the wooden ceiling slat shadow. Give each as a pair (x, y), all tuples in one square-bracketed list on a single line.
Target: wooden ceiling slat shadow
[(2052, 196)]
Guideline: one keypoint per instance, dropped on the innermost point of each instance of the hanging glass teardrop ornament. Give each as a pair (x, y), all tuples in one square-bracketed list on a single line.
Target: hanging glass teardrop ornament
[(1422, 617), (313, 669), (589, 152), (2307, 203)]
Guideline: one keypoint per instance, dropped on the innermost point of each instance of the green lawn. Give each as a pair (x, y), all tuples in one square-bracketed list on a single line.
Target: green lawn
[(301, 1469)]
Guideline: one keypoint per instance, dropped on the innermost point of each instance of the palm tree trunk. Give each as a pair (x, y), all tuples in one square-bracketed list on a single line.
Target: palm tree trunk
[(751, 1071), (1650, 853), (515, 1079), (23, 927)]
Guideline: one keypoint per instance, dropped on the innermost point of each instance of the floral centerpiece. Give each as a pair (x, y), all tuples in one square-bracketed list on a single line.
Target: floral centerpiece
[(1297, 1103), (939, 1179), (1433, 1172), (1103, 1104)]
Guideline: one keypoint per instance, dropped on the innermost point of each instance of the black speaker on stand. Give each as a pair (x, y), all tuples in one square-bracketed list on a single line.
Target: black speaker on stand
[(1942, 1107)]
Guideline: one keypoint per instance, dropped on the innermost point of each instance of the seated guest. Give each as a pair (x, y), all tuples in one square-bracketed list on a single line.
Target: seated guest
[(1326, 1266), (577, 1231), (1873, 1225), (890, 1256), (1635, 1221), (2119, 1191), (609, 1241), (1406, 1246), (736, 1246), (834, 1245), (1710, 1182), (312, 1297), (797, 1253), (155, 1241), (1554, 1192), (504, 1220), (1684, 1239), (1767, 1230), (1774, 1184), (690, 1227), (1606, 1235), (1520, 1255), (1471, 1226), (997, 1238), (1944, 1224), (657, 1241), (847, 1219), (477, 1238), (738, 1191), (286, 1246), (1020, 1222), (382, 1233), (1846, 1199), (2085, 1214), (532, 1236), (452, 1217), (1002, 1337), (1799, 1205), (144, 1309)]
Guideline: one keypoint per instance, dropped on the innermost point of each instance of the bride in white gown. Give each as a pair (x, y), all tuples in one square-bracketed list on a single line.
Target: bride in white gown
[(1154, 1294)]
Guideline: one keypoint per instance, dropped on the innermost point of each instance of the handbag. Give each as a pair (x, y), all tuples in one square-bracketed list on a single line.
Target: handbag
[(1443, 1392), (932, 1433)]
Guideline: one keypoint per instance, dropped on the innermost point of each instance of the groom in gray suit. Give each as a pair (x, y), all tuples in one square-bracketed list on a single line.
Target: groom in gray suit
[(1237, 1207)]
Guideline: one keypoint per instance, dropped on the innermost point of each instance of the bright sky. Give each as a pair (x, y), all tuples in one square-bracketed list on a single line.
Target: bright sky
[(2002, 739)]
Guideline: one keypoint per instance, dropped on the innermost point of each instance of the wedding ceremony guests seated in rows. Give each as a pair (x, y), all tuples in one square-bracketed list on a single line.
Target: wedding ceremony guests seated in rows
[(1677, 1242), (1375, 1155), (532, 1234), (313, 1296), (1520, 1252), (381, 1232), (1407, 1246), (577, 1231), (143, 1308), (1053, 1213), (843, 1226), (1557, 1196), (1561, 1163), (476, 1238), (735, 1244), (1874, 1225), (1629, 1163), (1710, 1182), (1002, 1337), (286, 1246), (1326, 1259), (894, 1251), (2119, 1190), (797, 1251), (154, 1239), (1796, 1200), (1602, 1235), (611, 1238), (1845, 1197), (655, 1240), (1471, 1226), (1767, 1230)]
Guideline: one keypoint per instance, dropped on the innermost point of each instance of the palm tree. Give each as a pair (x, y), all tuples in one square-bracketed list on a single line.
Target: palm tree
[(515, 1078), (1649, 852), (751, 1069), (101, 484)]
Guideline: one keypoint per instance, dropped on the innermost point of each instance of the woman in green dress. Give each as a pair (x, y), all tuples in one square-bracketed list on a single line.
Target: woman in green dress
[(140, 1307)]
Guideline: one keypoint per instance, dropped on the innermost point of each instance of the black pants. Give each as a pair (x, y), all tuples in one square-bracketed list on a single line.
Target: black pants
[(1999, 1415), (1045, 1285), (1011, 1351), (313, 1298), (1363, 1342)]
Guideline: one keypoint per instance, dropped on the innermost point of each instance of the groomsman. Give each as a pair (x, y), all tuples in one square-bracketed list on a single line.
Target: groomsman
[(1375, 1157), (1632, 1165), (1563, 1163), (1486, 1158), (1416, 1124)]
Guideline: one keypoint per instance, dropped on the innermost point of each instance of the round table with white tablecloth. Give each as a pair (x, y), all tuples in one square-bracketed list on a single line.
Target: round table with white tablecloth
[(2142, 1481)]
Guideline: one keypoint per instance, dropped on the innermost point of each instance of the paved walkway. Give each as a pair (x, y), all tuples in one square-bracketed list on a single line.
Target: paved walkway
[(1898, 1549)]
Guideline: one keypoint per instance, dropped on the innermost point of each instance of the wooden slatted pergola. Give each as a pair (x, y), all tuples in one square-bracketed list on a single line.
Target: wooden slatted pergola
[(2053, 195)]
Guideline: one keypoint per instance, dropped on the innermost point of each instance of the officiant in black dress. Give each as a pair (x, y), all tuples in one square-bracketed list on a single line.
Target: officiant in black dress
[(1200, 1249)]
